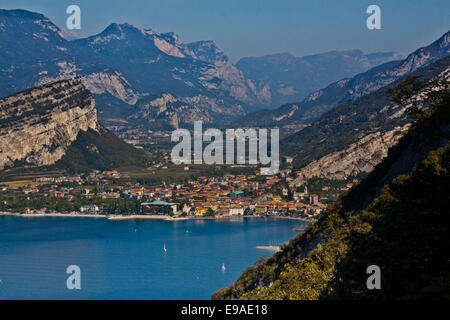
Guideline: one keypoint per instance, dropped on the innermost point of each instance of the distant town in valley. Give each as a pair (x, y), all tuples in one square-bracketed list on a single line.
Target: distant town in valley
[(115, 193)]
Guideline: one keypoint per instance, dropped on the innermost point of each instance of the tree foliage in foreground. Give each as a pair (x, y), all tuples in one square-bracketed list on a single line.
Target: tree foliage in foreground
[(404, 230)]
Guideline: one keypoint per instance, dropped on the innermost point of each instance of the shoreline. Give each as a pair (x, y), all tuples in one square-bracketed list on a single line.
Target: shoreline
[(139, 217)]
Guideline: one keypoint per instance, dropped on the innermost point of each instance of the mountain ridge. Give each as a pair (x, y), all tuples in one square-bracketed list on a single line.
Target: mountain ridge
[(320, 101), (350, 121)]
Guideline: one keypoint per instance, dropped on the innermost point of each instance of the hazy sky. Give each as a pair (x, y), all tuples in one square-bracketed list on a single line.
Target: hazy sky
[(258, 27)]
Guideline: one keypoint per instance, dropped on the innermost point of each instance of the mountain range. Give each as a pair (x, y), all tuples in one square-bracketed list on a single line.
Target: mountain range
[(124, 64), (320, 101), (143, 78)]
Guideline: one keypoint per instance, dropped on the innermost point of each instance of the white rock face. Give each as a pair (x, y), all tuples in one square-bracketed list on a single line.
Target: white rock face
[(233, 80), (114, 84), (37, 125), (175, 110), (168, 48), (67, 70), (98, 82), (358, 157)]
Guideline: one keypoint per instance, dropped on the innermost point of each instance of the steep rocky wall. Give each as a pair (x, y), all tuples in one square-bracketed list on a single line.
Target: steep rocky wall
[(174, 111), (358, 157), (37, 125)]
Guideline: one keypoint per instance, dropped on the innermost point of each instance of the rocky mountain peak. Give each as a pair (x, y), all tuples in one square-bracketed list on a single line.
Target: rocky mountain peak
[(24, 16), (31, 23), (117, 31), (207, 51)]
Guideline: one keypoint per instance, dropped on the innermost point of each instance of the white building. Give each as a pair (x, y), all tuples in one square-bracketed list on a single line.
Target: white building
[(89, 208), (236, 211)]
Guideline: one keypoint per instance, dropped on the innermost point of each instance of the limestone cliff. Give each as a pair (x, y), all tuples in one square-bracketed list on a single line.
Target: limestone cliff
[(168, 111), (361, 156), (38, 125)]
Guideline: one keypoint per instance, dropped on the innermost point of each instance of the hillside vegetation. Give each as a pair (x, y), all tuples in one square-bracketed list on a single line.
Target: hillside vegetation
[(100, 151), (396, 218)]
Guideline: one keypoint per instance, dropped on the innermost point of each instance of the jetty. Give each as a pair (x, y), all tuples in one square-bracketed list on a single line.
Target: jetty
[(271, 248)]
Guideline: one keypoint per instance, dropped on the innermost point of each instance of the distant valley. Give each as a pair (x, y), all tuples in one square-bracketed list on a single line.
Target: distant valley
[(286, 78)]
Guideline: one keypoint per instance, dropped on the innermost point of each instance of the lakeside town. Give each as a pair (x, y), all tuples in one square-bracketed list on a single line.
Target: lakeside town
[(106, 193)]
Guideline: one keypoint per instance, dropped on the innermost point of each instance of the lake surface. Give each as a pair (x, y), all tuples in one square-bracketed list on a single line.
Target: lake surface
[(125, 259)]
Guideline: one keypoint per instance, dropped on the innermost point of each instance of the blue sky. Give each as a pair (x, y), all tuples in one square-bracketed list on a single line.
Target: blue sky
[(258, 27)]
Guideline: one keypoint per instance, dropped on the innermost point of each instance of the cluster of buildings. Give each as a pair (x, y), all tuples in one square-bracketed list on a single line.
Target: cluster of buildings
[(138, 136), (221, 196), (94, 175), (231, 195)]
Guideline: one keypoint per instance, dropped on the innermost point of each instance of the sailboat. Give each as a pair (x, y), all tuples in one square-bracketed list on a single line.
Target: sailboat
[(223, 267), (165, 249)]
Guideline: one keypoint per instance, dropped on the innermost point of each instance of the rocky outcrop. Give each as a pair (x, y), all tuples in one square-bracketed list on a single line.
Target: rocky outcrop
[(361, 156), (169, 111), (39, 124), (234, 81), (113, 84)]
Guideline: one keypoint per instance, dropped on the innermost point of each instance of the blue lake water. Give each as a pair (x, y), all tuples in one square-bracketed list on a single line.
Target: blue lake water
[(126, 260)]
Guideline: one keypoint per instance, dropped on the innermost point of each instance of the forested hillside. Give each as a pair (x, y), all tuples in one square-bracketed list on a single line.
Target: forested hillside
[(396, 218)]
